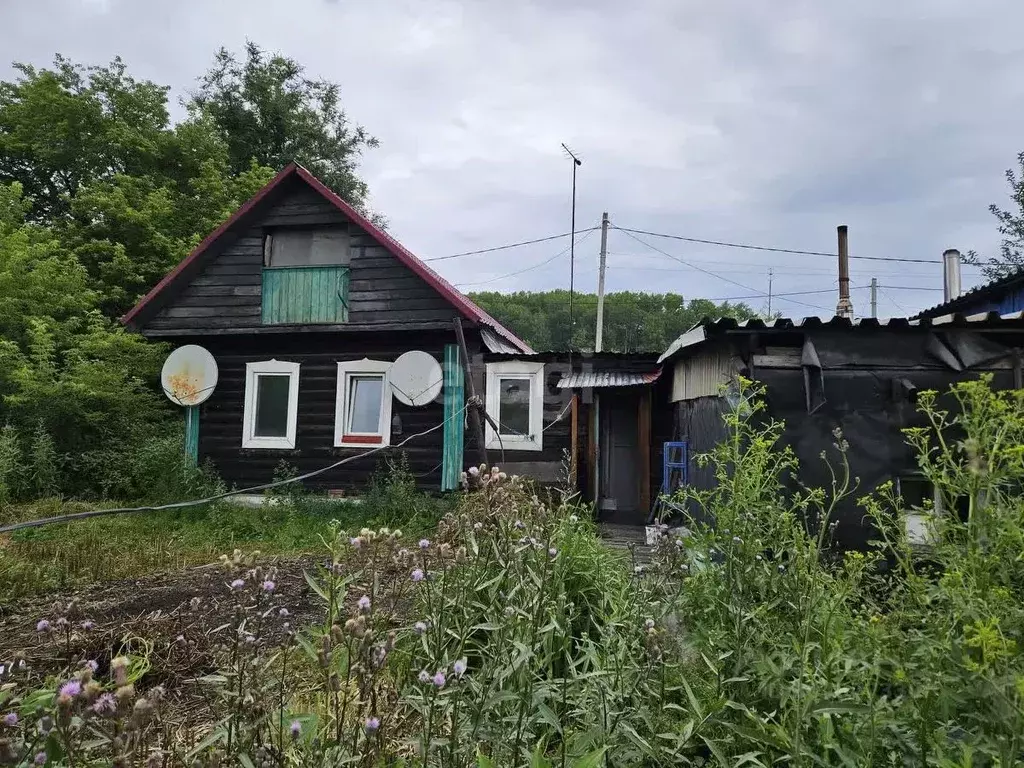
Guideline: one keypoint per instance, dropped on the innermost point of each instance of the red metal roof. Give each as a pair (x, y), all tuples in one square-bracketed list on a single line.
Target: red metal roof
[(462, 303)]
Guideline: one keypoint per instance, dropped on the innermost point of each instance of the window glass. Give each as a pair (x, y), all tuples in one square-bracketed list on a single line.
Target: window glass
[(307, 247), (364, 399), (514, 406), (271, 405)]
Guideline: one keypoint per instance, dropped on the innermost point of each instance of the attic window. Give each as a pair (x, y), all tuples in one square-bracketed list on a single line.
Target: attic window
[(294, 247)]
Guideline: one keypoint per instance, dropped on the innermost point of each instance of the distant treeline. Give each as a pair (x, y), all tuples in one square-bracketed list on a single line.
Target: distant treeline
[(633, 322)]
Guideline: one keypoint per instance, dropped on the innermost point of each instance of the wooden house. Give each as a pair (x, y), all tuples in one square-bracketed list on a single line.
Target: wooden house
[(860, 376), (304, 305)]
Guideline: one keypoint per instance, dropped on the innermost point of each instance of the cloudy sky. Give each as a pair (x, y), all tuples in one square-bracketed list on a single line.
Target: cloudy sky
[(750, 122)]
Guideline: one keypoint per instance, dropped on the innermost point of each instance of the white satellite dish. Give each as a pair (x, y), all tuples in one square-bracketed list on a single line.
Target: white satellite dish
[(189, 375), (416, 378)]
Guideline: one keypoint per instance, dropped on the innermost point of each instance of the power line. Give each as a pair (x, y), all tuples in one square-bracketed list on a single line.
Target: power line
[(509, 245), (749, 247), (893, 301), (561, 253), (629, 233)]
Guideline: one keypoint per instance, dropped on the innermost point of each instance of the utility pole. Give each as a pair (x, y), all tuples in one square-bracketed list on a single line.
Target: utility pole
[(576, 163), (769, 293), (599, 334), (874, 297)]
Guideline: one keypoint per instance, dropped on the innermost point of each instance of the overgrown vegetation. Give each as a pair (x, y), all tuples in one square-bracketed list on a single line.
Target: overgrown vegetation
[(512, 637), (107, 548)]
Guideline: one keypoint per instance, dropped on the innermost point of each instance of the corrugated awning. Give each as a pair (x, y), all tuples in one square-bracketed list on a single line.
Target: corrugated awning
[(607, 379)]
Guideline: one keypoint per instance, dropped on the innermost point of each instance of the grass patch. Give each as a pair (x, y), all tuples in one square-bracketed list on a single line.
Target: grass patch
[(127, 546)]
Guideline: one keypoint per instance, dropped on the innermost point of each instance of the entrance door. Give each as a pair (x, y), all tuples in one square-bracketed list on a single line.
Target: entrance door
[(620, 464)]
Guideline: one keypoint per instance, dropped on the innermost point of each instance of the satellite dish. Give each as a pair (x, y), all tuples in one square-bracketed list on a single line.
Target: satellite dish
[(416, 378), (189, 375)]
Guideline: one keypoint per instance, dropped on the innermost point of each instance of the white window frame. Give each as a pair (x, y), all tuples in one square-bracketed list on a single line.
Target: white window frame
[(361, 368), (272, 367), (516, 369)]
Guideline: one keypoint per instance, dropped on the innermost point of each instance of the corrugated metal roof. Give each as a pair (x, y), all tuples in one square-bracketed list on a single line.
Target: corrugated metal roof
[(975, 294), (497, 344), (700, 332), (607, 379)]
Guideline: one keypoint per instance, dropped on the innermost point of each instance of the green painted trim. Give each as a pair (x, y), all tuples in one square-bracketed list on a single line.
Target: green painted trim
[(192, 434), (317, 294), (454, 420)]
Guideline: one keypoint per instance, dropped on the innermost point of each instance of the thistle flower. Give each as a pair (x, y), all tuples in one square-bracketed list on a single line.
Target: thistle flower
[(40, 758), (439, 679), (105, 705), (71, 688), (11, 719), (459, 667), (43, 626), (119, 666), (552, 552), (423, 676), (364, 603), (417, 575), (372, 724), (269, 586), (424, 543), (87, 625), (356, 542), (420, 627), (237, 585), (62, 622), (473, 471), (284, 613), (296, 729)]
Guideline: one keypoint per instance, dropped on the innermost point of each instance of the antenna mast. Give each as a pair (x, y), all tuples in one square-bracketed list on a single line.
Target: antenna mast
[(576, 163)]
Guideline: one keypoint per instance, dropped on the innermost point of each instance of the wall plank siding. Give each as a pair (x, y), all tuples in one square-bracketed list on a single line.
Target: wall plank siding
[(226, 292), (220, 435)]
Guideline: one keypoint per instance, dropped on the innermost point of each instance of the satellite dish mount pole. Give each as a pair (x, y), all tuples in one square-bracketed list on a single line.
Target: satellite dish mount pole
[(192, 435)]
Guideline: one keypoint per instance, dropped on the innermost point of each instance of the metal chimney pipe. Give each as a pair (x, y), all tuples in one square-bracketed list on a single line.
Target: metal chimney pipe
[(845, 307), (951, 274)]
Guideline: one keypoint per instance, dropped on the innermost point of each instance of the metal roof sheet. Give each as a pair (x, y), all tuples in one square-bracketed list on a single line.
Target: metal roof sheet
[(701, 332), (607, 379)]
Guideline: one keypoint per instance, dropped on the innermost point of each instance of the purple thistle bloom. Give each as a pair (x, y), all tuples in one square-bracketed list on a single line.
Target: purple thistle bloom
[(87, 625), (295, 728), (439, 678), (420, 627), (43, 626), (268, 586), (92, 664), (356, 542), (459, 667), (372, 724), (237, 585), (424, 543), (364, 603), (105, 705), (11, 719), (417, 575), (424, 676), (40, 758), (71, 688)]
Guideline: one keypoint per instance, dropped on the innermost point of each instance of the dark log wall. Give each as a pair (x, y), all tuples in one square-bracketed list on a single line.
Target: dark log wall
[(549, 465), (225, 292), (220, 435)]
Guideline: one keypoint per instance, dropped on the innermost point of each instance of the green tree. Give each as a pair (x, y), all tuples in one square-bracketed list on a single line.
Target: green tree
[(1011, 226), (633, 321), (268, 112)]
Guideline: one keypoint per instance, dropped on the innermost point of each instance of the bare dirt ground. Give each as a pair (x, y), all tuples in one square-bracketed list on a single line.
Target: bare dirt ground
[(172, 617)]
